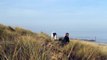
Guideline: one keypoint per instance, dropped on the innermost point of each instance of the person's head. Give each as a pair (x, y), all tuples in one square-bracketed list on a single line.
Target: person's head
[(67, 34), (54, 34)]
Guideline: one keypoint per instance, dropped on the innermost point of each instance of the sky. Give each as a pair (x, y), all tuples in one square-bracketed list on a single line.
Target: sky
[(79, 16)]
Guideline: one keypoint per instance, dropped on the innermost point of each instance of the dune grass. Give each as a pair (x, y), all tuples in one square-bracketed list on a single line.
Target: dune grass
[(20, 44)]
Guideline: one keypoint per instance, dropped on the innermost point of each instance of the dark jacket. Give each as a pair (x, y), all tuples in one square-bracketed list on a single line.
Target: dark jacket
[(66, 39)]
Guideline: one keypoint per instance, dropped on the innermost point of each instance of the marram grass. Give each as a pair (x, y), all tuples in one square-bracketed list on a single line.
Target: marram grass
[(21, 44)]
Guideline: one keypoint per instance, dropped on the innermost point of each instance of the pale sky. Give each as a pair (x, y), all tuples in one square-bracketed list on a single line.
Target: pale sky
[(55, 15)]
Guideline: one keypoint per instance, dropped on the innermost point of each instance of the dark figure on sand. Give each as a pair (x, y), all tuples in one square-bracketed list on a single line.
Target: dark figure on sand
[(66, 38)]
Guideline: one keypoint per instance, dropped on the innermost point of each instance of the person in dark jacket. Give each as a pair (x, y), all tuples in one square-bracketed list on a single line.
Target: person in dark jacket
[(66, 38)]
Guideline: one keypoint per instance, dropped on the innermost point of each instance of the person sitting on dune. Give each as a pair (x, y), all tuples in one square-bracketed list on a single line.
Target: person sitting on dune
[(53, 36), (66, 38)]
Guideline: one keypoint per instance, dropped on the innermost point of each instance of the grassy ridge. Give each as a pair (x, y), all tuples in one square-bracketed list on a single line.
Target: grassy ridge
[(20, 44)]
